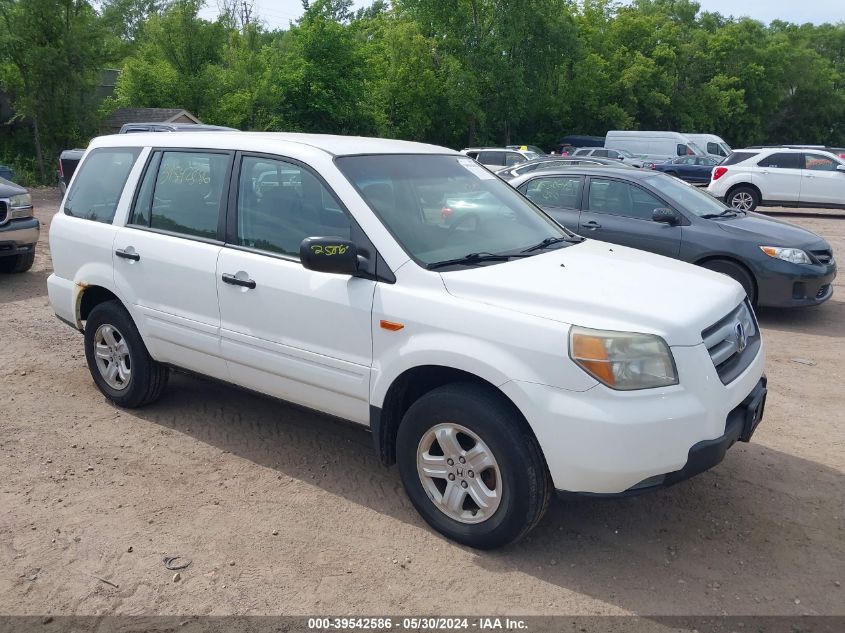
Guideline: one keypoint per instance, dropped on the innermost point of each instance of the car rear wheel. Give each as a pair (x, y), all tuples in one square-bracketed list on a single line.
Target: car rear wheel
[(118, 360), (743, 199), (17, 263), (736, 272), (470, 466)]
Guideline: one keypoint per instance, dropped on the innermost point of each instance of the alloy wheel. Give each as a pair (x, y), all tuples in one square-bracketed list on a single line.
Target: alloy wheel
[(112, 355), (459, 473)]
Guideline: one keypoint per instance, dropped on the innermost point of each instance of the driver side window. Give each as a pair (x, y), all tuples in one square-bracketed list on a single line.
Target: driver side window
[(281, 203)]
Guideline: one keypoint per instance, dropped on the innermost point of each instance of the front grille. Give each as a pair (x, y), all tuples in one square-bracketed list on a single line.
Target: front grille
[(733, 342), (4, 211), (824, 257)]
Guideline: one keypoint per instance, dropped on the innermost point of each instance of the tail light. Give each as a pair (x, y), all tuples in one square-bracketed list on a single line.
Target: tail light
[(61, 172), (446, 213), (719, 172)]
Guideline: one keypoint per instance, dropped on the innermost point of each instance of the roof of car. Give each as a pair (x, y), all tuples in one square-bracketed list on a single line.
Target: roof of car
[(270, 142), (588, 170)]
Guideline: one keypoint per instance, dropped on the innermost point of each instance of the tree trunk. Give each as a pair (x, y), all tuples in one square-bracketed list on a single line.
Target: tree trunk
[(39, 152)]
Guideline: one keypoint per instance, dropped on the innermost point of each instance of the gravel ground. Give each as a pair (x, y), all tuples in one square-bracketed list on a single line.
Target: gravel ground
[(285, 511)]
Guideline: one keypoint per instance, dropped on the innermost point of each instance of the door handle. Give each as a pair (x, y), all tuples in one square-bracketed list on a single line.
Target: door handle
[(124, 255), (231, 279), (592, 225)]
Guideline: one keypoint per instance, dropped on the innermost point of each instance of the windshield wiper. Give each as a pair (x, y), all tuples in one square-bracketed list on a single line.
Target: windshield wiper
[(550, 241), (727, 213), (472, 258)]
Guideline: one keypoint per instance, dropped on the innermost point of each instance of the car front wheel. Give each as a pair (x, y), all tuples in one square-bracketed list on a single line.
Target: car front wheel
[(471, 467)]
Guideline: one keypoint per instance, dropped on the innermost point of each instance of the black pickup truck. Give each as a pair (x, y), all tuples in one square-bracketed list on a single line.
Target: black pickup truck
[(69, 159)]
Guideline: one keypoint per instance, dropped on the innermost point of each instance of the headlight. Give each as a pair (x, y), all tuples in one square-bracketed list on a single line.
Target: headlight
[(794, 255), (20, 206), (623, 360), (21, 200)]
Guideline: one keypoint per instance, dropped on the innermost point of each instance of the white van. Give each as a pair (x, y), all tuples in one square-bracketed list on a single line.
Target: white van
[(494, 355), (654, 146), (712, 144)]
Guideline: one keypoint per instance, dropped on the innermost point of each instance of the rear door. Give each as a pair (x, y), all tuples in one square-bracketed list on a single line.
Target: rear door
[(166, 257), (778, 176), (822, 182), (559, 196), (619, 211)]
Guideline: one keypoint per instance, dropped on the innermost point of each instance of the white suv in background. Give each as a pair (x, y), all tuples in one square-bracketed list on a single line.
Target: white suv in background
[(496, 157), (778, 176), (622, 155), (494, 355)]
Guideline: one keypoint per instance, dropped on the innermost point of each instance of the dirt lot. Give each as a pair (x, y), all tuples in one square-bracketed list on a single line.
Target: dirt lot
[(284, 511)]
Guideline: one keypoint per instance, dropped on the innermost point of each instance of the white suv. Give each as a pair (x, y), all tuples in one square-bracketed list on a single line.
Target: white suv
[(496, 157), (780, 176), (495, 356)]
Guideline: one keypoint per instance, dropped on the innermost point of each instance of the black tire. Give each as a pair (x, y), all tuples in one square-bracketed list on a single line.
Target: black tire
[(526, 487), (743, 198), (17, 263), (737, 272), (147, 378)]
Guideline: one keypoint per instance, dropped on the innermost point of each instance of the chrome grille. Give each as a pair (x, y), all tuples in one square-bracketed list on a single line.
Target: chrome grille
[(825, 257), (733, 342), (4, 211)]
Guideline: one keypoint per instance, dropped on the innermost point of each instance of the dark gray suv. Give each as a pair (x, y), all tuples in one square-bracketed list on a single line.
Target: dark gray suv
[(778, 264)]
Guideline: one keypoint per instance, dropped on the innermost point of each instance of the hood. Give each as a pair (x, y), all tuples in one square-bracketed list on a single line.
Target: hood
[(773, 232), (605, 286), (8, 188)]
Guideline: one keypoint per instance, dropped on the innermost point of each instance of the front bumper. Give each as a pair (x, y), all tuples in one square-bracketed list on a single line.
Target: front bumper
[(603, 441), (18, 236), (782, 284)]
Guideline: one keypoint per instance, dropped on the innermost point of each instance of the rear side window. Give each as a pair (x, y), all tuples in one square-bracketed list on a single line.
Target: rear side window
[(554, 191), (182, 193), (615, 197), (99, 183), (601, 153), (491, 158), (738, 157), (782, 160)]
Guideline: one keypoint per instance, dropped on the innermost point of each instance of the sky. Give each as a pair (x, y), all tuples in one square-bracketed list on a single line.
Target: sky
[(279, 13)]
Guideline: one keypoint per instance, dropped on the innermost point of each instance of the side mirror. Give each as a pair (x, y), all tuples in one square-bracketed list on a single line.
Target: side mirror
[(665, 216), (329, 255)]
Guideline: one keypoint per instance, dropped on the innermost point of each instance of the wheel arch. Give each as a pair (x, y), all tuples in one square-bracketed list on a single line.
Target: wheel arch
[(748, 184), (736, 262), (411, 385), (89, 297)]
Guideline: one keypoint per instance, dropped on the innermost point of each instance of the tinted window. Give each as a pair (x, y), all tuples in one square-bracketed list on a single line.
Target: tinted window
[(782, 161), (444, 207), (686, 160), (685, 150), (621, 198), (554, 191), (738, 157), (491, 158), (282, 203), (582, 152), (818, 162), (182, 192), (601, 153), (709, 162), (99, 183)]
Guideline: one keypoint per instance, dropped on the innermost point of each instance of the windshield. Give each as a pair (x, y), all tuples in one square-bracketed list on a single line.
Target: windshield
[(686, 196), (625, 153), (445, 207)]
